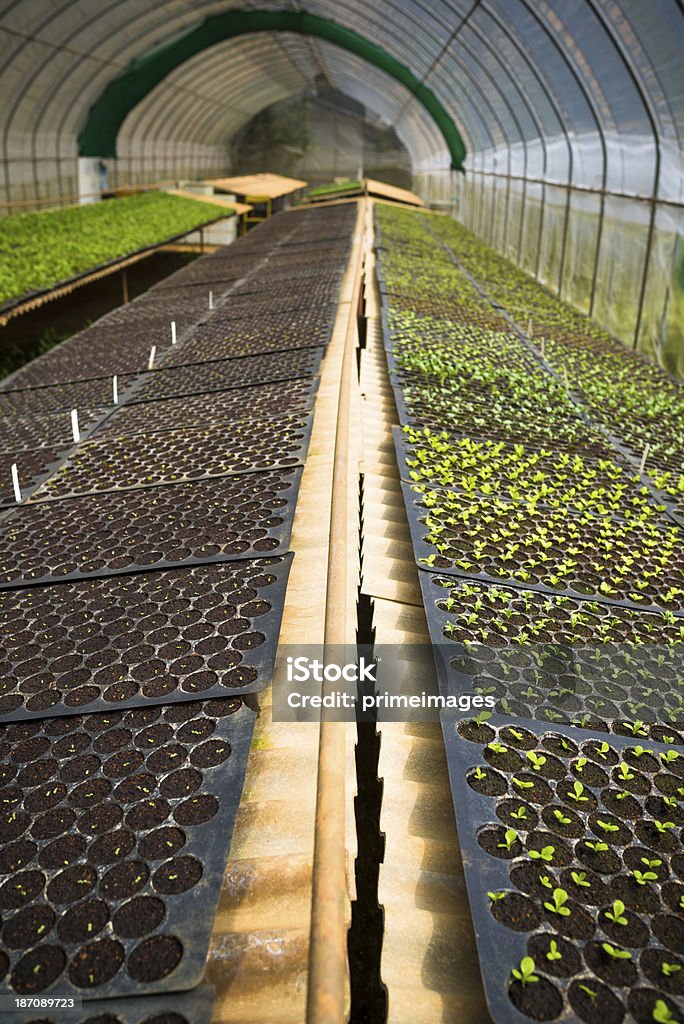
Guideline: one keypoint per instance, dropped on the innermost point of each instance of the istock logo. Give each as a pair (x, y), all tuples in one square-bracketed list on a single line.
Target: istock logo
[(306, 670)]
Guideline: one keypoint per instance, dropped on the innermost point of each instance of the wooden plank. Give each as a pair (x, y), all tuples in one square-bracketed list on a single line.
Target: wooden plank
[(237, 208), (399, 195)]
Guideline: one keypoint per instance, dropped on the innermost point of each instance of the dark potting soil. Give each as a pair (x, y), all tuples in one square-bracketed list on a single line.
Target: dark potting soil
[(569, 962), (517, 912), (594, 1002), (154, 958), (138, 917), (539, 1000)]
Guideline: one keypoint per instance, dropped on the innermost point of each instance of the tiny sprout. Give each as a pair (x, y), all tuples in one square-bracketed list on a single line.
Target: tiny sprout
[(607, 826), (520, 814), (639, 750), (663, 826), (560, 898), (560, 817), (615, 953), (510, 837), (590, 991), (669, 969), (546, 854), (482, 717), (669, 755), (597, 847), (651, 863), (515, 734), (479, 774), (577, 793), (538, 761), (624, 772), (617, 914), (546, 881), (522, 784), (525, 972), (553, 953), (580, 878), (602, 750), (580, 763), (662, 1013), (496, 747), (494, 896), (642, 877)]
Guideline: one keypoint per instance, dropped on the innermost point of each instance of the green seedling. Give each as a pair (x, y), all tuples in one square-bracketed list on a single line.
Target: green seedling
[(538, 761), (669, 969), (644, 877), (662, 1013), (655, 863), (577, 793), (668, 756), (482, 717), (546, 881), (580, 878), (663, 826), (617, 913), (520, 814), (624, 773), (525, 972), (607, 826), (589, 991), (479, 774), (554, 953), (494, 896), (560, 817), (545, 854), (602, 750), (596, 847), (510, 838), (615, 953), (496, 747), (560, 898), (581, 761), (522, 783)]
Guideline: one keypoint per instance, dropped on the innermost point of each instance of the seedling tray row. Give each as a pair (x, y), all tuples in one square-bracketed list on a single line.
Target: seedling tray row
[(293, 397), (177, 456), (115, 833), (556, 862), (140, 639), (217, 520)]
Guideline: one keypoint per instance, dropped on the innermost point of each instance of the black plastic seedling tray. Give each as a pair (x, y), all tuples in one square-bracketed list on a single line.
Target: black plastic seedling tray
[(289, 397), (76, 394), (140, 639), (575, 585), (54, 430), (177, 456), (516, 924), (267, 334), (116, 829), (193, 1007), (31, 465), (205, 521), (202, 378)]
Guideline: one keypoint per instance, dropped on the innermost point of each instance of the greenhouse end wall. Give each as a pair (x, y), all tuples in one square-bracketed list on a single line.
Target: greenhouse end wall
[(526, 222)]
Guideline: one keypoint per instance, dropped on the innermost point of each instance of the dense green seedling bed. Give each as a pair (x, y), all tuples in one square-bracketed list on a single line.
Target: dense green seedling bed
[(333, 187), (39, 250), (515, 472), (637, 562)]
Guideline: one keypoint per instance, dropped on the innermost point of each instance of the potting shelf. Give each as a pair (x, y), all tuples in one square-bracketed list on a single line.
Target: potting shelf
[(141, 595)]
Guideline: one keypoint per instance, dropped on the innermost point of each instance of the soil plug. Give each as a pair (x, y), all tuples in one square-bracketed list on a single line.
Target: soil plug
[(642, 464), (74, 426), (15, 483), (173, 332), (153, 352), (115, 390)]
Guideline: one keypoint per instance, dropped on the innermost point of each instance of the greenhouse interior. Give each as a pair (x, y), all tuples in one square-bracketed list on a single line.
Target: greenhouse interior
[(342, 512)]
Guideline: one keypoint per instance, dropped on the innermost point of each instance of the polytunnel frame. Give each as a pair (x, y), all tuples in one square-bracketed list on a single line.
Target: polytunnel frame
[(106, 115)]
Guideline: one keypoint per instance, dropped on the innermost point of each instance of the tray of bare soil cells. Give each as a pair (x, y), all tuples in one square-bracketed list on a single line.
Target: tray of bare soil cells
[(179, 455), (204, 521), (114, 834), (243, 371), (140, 639), (293, 397), (573, 850)]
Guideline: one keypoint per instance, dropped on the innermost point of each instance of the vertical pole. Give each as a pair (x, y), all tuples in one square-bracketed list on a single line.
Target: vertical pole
[(124, 285)]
